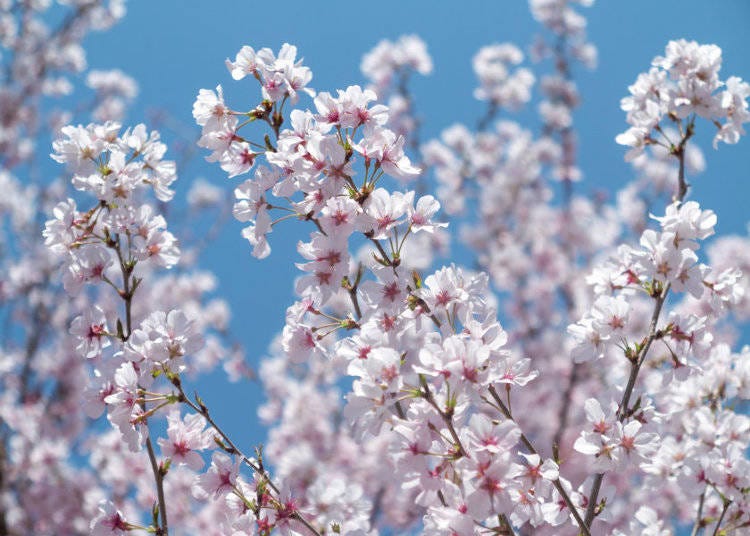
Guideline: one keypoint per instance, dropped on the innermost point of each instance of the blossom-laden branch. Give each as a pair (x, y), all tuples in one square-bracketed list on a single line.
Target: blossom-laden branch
[(530, 447), (129, 286), (659, 293), (228, 446), (422, 352), (86, 239)]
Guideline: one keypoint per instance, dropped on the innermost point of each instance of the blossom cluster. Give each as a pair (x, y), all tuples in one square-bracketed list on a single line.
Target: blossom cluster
[(389, 67), (683, 84), (436, 377), (389, 60), (497, 85), (583, 377), (313, 163), (119, 244), (113, 168), (42, 55)]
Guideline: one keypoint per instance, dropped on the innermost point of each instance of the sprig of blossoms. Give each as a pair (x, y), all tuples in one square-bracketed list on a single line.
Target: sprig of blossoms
[(428, 396), (496, 83), (684, 83), (680, 349), (117, 243), (312, 163), (114, 169), (388, 60)]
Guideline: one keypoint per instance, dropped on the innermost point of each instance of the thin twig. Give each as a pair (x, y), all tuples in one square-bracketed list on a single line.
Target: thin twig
[(352, 290), (163, 530), (721, 517), (698, 515), (202, 409), (128, 291), (567, 399), (530, 447), (447, 419), (622, 411)]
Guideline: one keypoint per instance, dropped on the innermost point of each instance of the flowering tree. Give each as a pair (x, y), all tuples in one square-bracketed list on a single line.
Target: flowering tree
[(609, 401)]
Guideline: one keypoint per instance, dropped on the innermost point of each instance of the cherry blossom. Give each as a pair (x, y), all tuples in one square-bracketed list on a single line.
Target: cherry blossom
[(581, 372)]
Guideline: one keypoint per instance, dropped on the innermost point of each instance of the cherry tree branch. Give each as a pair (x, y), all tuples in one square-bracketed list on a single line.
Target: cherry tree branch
[(352, 289), (445, 415), (638, 360), (530, 447), (128, 291), (159, 474), (231, 448), (721, 517), (698, 515)]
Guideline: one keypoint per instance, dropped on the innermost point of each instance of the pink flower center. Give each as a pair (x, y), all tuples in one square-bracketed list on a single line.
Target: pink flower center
[(628, 443), (443, 297), (471, 374), (391, 291), (247, 158), (601, 427), (95, 331), (390, 373), (116, 522), (180, 448), (340, 217)]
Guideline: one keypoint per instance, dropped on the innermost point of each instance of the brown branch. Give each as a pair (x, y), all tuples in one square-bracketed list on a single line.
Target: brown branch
[(447, 417), (530, 447), (352, 290), (640, 357), (699, 514), (564, 413), (163, 530), (127, 293), (721, 517), (622, 410), (232, 448)]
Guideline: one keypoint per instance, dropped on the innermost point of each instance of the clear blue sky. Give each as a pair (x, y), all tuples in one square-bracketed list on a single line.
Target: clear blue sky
[(175, 47)]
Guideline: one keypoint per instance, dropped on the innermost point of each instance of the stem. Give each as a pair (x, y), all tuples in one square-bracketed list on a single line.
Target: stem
[(352, 290), (568, 159), (127, 296), (163, 530), (233, 449), (282, 218), (447, 419), (698, 515), (596, 486), (39, 318), (682, 185), (622, 411), (403, 240), (505, 521), (355, 302), (721, 517), (564, 413), (485, 121), (386, 257), (557, 483)]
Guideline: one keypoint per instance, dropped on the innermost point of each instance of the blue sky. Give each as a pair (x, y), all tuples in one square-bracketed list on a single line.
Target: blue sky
[(175, 47)]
